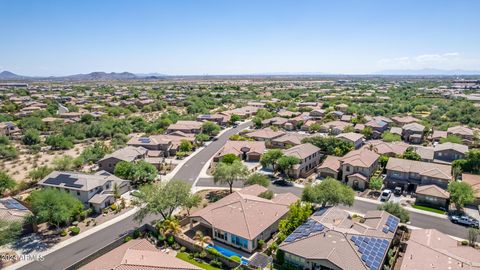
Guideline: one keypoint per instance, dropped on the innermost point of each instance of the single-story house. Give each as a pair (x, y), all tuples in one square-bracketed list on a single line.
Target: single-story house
[(355, 139), (331, 239), (449, 152), (250, 151), (128, 154), (432, 196), (242, 218), (194, 127), (330, 167)]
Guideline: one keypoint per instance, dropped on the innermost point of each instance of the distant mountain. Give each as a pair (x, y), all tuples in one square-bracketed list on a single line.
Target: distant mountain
[(154, 74), (428, 71), (100, 76), (7, 75)]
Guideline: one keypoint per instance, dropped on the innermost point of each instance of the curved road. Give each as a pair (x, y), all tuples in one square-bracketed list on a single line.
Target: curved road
[(189, 172)]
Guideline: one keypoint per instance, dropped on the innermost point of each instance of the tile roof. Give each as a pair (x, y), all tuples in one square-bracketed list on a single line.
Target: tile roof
[(248, 215), (432, 190), (460, 130), (301, 151), (434, 170), (265, 133), (331, 162), (474, 181), (236, 147), (360, 158), (451, 146)]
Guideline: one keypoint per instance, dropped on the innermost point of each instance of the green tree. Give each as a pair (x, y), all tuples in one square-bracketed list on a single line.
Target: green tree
[(139, 173), (6, 182), (257, 179), (270, 157), (285, 163), (315, 128), (298, 213), (471, 163), (58, 142), (367, 132), (234, 118), (64, 163), (376, 183), (31, 137), (54, 206), (329, 192), (8, 152), (93, 154), (193, 200), (383, 160), (9, 231), (229, 173), (395, 209), (461, 193), (210, 128), (185, 146), (330, 145), (161, 198), (229, 158), (451, 139), (390, 137), (411, 155), (39, 173), (202, 137)]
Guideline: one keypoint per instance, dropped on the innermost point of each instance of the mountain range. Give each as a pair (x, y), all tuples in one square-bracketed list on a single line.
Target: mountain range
[(104, 76)]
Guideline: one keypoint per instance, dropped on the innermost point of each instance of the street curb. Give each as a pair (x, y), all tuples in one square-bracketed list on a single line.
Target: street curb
[(75, 238)]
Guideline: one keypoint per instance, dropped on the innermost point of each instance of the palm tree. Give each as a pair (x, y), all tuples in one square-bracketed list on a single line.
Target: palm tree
[(202, 239), (172, 226)]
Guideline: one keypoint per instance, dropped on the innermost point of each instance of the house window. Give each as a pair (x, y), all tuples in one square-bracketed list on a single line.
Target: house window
[(348, 168), (239, 241), (78, 193)]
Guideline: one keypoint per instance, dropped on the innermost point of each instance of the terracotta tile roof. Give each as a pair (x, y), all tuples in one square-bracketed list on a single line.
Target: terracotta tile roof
[(137, 254), (360, 158), (331, 162), (474, 181), (414, 127), (460, 130), (432, 190), (350, 136), (265, 133), (292, 138), (434, 170), (248, 215), (236, 147), (384, 148), (301, 151), (431, 249), (452, 146)]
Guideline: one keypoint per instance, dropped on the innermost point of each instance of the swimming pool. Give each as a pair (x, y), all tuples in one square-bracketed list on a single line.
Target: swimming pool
[(228, 253)]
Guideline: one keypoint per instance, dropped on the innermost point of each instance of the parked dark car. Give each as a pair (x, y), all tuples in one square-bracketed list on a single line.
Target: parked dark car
[(397, 191), (282, 183)]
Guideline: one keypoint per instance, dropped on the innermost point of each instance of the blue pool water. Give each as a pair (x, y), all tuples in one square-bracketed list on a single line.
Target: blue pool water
[(228, 253)]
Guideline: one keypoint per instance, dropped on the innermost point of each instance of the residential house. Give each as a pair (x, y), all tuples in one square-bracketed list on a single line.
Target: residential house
[(404, 120), (9, 129), (13, 211), (221, 119), (167, 144), (331, 239), (137, 254), (250, 151), (330, 167), (413, 133), (128, 154), (188, 127), (317, 114), (391, 149), (354, 138), (309, 156), (288, 140), (431, 249), (242, 218), (396, 130), (410, 174), (358, 166), (437, 135), (275, 121), (243, 112), (465, 133), (449, 152), (341, 107), (334, 127), (94, 190), (474, 181), (266, 135), (432, 196), (378, 127)]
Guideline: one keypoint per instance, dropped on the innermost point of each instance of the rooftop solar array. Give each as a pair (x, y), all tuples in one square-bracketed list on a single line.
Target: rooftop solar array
[(373, 250), (144, 140), (13, 204), (391, 225), (310, 226), (63, 179)]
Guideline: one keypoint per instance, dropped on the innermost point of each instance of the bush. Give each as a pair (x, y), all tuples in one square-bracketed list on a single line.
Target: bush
[(176, 246), (203, 254), (216, 263), (464, 243), (235, 258), (213, 251), (170, 240), (63, 233), (113, 207), (136, 233), (183, 249), (127, 238), (261, 243), (74, 230)]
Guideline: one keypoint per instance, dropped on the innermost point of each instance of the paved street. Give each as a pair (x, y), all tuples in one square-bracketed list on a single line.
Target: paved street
[(72, 253), (191, 169)]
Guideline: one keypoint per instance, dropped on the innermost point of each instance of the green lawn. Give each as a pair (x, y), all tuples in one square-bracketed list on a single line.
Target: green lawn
[(426, 208), (184, 256)]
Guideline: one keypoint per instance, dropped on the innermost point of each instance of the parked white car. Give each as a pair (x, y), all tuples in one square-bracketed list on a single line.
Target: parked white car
[(386, 194)]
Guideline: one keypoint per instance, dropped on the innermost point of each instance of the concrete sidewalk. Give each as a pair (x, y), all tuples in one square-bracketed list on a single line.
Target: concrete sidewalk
[(73, 239)]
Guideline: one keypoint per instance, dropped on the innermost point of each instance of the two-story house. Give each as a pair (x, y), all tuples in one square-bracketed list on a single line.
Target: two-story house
[(309, 156), (358, 166)]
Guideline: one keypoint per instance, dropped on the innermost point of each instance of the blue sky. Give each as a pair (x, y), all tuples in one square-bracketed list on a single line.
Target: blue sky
[(237, 37)]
